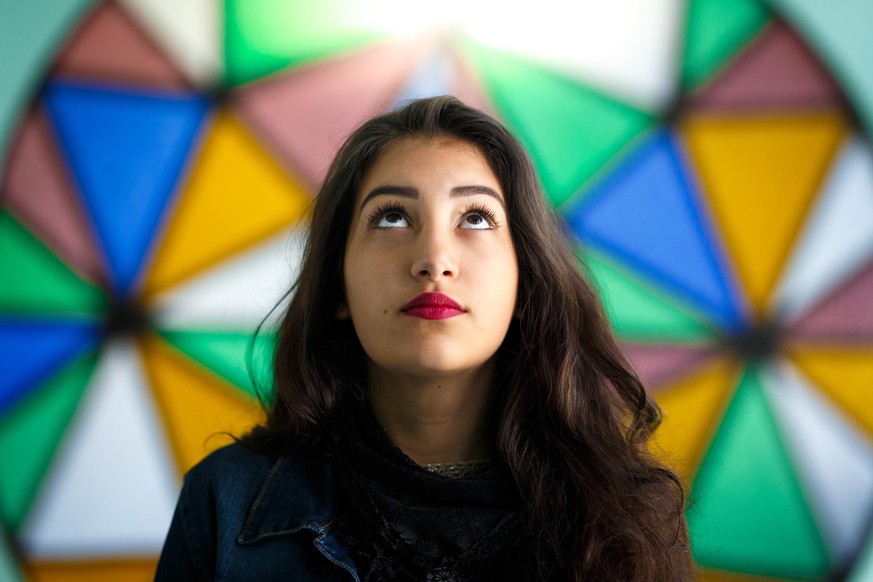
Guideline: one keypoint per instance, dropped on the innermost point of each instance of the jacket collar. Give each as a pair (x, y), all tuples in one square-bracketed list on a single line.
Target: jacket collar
[(296, 495)]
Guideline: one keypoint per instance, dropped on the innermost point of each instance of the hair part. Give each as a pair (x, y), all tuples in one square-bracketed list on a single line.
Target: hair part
[(572, 419)]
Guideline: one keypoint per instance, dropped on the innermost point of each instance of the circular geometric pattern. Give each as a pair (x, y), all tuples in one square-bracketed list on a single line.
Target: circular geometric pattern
[(154, 207)]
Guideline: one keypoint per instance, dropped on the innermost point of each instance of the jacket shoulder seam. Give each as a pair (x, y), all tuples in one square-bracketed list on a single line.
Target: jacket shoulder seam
[(196, 556), (243, 538)]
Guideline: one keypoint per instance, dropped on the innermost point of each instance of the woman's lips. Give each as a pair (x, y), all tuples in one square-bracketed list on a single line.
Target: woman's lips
[(432, 306)]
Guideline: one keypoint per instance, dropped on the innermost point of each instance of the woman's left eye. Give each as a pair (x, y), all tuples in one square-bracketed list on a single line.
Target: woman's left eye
[(478, 219)]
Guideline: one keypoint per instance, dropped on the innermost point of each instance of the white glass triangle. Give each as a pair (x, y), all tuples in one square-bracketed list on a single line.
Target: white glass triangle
[(238, 293), (113, 489), (189, 32), (628, 48), (835, 460), (838, 237), (434, 77)]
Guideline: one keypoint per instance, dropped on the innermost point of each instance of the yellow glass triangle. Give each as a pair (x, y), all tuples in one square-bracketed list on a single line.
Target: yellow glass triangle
[(760, 176), (199, 407), (235, 196), (692, 409), (720, 576), (845, 374), (93, 571)]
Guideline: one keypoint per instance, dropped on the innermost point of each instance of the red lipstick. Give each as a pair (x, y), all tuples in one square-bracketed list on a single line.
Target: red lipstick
[(432, 306)]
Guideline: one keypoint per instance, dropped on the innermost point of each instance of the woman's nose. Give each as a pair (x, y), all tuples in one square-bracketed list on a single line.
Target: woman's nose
[(435, 257)]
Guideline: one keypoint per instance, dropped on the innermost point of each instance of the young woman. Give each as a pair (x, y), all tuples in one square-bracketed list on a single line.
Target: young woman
[(450, 403)]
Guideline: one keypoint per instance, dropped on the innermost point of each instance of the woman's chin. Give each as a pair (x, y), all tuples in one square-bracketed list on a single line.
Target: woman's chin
[(434, 364)]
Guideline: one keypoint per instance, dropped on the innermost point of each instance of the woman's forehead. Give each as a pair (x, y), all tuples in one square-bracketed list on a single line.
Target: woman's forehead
[(411, 157)]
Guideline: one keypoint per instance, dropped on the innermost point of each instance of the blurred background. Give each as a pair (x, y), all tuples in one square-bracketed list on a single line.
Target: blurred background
[(712, 157)]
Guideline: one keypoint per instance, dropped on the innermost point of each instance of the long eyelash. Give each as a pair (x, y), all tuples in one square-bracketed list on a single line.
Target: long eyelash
[(489, 215), (382, 210)]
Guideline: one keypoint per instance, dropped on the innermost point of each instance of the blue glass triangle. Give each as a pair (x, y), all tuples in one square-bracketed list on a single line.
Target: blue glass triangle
[(646, 215), (32, 351), (433, 78), (126, 151)]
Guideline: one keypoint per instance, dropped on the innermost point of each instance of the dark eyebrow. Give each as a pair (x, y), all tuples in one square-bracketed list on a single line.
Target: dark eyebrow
[(477, 189), (404, 191), (410, 192)]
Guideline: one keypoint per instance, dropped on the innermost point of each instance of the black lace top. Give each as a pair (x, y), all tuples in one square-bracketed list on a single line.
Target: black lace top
[(402, 522)]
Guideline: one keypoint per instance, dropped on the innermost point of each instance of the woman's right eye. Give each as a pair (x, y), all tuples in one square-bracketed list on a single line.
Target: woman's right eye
[(390, 219)]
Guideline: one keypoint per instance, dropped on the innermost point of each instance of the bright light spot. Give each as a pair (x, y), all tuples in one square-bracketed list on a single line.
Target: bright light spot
[(626, 47)]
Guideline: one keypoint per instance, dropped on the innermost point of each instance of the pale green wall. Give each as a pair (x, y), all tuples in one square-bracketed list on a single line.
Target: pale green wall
[(30, 31)]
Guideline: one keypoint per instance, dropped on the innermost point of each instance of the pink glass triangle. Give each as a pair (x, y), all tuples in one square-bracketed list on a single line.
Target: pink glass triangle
[(777, 70), (307, 113), (38, 190), (468, 88), (845, 314), (110, 48), (660, 364)]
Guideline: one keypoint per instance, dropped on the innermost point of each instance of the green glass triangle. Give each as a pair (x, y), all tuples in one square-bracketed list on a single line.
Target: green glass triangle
[(716, 30), (265, 36), (639, 312), (570, 130), (747, 511), (8, 569), (30, 433), (863, 569), (232, 355), (35, 281)]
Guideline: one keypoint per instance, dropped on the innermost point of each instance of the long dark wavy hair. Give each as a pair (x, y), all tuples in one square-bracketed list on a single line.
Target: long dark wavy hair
[(572, 419)]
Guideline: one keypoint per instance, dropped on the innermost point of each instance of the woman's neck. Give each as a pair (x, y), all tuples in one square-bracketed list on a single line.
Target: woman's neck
[(435, 420)]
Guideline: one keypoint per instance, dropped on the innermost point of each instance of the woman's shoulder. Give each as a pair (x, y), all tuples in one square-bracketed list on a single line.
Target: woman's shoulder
[(235, 499), (231, 458), (240, 467)]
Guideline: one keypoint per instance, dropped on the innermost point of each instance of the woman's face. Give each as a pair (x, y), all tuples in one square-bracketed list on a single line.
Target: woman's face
[(430, 269)]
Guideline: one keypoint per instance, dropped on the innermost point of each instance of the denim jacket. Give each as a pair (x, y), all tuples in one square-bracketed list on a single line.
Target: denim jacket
[(241, 516)]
